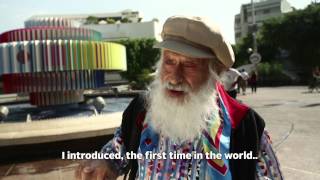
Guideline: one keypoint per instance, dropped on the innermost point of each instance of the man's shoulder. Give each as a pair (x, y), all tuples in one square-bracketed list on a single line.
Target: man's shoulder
[(132, 119), (235, 109), (139, 102), (239, 112)]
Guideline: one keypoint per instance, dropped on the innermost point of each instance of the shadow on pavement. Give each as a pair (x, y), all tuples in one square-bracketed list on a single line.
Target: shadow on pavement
[(311, 105)]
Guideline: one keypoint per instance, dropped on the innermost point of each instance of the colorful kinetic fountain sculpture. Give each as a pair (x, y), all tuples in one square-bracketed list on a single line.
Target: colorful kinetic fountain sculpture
[(55, 62)]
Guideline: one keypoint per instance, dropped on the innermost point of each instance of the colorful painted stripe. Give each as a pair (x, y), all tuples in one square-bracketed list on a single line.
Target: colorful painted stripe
[(50, 33), (50, 21), (61, 55), (52, 81)]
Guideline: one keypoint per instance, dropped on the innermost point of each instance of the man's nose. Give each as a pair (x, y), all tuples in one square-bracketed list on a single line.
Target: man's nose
[(177, 76)]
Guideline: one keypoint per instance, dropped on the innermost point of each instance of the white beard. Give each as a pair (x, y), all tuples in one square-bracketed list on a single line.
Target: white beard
[(182, 121)]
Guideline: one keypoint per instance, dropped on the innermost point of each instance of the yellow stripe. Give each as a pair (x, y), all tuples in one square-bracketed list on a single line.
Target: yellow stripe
[(215, 127), (103, 52), (99, 55), (219, 162), (94, 56)]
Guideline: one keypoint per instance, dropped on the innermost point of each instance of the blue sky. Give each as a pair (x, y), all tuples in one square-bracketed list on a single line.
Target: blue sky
[(13, 13)]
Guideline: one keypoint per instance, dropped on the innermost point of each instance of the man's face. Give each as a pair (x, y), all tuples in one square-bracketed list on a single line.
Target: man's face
[(179, 70)]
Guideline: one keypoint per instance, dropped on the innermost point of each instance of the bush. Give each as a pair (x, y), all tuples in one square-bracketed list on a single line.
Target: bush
[(141, 59), (271, 74), (92, 20), (126, 20), (110, 21), (270, 69), (143, 80)]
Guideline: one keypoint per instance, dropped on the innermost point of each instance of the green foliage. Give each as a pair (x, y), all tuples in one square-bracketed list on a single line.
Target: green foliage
[(92, 20), (241, 51), (270, 69), (126, 20), (266, 48), (271, 74), (141, 59), (297, 32), (143, 79), (110, 21)]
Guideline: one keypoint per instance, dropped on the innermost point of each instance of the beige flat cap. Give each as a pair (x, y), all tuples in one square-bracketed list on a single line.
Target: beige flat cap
[(196, 37)]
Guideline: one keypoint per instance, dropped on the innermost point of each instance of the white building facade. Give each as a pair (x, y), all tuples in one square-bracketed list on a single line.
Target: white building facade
[(263, 10), (118, 29)]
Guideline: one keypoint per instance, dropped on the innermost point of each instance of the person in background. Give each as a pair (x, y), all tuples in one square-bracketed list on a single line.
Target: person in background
[(186, 111), (315, 82), (242, 82), (253, 82), (230, 81)]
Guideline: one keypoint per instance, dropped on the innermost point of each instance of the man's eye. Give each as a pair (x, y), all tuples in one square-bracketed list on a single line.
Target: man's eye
[(170, 62)]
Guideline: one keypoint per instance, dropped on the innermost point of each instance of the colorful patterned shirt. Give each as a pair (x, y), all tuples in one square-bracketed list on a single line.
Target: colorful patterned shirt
[(156, 162)]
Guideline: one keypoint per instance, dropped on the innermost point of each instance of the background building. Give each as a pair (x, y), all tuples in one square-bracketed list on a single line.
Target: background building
[(117, 31), (112, 26), (263, 9)]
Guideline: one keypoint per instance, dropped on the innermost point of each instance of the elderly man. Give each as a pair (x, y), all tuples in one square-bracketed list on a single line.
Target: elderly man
[(187, 111)]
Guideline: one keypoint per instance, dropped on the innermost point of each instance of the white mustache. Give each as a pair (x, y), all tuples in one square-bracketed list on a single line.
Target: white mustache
[(179, 87)]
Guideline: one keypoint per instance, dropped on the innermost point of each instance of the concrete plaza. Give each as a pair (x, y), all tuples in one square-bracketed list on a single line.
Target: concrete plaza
[(292, 117)]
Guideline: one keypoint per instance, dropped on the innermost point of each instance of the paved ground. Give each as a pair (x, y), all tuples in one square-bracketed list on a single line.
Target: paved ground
[(292, 116)]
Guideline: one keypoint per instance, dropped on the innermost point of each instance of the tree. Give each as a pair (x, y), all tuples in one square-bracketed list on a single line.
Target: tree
[(126, 20), (293, 37), (241, 51), (92, 20), (141, 59), (110, 21), (298, 33)]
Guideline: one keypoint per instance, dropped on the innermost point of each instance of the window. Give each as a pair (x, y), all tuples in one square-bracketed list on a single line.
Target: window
[(238, 34), (237, 20), (266, 11)]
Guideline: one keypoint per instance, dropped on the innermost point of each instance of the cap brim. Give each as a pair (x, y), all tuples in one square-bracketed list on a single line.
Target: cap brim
[(183, 48)]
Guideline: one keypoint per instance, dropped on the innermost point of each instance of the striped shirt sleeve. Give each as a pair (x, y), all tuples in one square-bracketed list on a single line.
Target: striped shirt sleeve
[(268, 166)]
